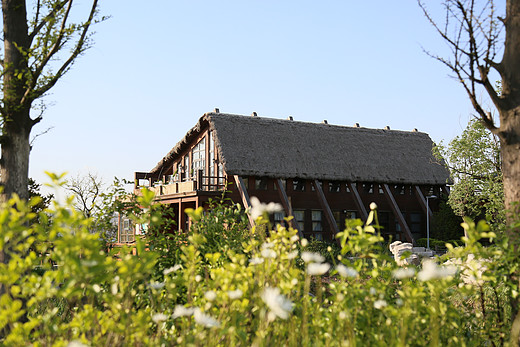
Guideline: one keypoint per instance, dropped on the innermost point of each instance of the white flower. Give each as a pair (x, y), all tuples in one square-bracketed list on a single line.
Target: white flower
[(234, 294), (181, 311), (278, 304), (373, 206), (292, 255), (204, 319), (295, 238), (312, 257), (342, 315), (258, 208), (346, 271), (172, 269), (268, 253), (113, 288), (379, 304), (198, 278), (256, 261), (89, 263), (314, 269), (372, 291), (210, 295), (159, 317), (96, 288), (76, 343), (402, 273), (156, 285), (305, 242), (432, 271), (267, 245)]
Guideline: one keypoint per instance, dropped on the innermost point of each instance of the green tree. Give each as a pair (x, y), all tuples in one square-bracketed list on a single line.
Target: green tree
[(39, 48), (475, 165)]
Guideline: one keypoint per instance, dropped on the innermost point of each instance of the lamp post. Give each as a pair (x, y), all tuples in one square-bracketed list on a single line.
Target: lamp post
[(428, 219)]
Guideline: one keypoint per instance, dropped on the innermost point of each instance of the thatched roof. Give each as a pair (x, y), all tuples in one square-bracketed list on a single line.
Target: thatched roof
[(257, 146)]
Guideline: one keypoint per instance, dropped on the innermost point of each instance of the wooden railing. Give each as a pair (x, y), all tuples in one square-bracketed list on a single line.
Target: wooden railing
[(199, 182)]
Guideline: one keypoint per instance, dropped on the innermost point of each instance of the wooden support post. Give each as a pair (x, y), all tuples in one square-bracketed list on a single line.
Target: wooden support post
[(422, 200), (200, 180), (397, 212), (287, 206), (446, 189), (357, 199), (326, 208), (245, 197), (181, 216)]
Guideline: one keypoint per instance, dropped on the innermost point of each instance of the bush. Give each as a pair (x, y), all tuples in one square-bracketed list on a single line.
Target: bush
[(245, 293)]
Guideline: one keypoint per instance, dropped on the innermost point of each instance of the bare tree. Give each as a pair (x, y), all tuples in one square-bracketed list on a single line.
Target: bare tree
[(477, 36), (38, 51), (88, 193)]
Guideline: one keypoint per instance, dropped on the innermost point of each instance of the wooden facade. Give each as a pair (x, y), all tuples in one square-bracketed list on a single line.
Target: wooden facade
[(203, 164)]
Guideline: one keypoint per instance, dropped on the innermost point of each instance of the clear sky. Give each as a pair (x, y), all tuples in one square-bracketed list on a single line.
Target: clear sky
[(157, 66)]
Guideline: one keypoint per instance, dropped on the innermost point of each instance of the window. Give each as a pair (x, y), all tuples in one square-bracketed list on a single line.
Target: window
[(384, 221), (368, 188), (298, 185), (126, 232), (199, 157), (400, 189), (314, 189), (415, 222), (316, 220), (261, 183), (299, 217), (334, 187), (279, 218), (211, 153), (184, 168), (351, 215), (284, 184), (380, 189), (337, 218)]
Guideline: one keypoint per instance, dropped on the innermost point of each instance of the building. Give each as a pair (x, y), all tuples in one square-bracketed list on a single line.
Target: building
[(321, 173)]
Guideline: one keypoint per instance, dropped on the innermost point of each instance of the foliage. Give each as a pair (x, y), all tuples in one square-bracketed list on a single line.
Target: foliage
[(475, 166), (255, 294), (444, 224)]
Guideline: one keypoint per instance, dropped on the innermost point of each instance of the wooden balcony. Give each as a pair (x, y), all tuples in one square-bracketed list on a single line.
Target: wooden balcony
[(197, 183)]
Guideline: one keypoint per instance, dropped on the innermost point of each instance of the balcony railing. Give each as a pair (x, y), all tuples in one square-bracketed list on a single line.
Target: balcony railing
[(199, 182)]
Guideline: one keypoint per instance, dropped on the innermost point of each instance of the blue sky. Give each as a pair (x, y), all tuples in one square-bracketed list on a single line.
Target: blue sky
[(157, 66)]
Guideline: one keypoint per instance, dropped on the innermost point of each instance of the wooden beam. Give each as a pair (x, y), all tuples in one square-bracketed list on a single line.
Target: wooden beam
[(326, 208), (357, 199), (397, 212), (245, 197), (422, 200), (287, 206)]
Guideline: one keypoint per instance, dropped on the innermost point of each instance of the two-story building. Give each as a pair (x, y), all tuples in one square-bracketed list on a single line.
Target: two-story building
[(322, 174)]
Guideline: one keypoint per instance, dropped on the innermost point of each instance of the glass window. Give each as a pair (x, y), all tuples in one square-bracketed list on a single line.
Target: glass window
[(337, 218), (298, 185), (415, 225), (126, 231), (368, 188), (316, 220), (351, 215), (284, 184), (279, 218), (211, 158), (314, 189), (299, 217), (334, 187), (261, 183), (199, 157), (380, 189)]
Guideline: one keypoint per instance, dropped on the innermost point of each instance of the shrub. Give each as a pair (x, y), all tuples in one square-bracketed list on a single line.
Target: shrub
[(252, 293)]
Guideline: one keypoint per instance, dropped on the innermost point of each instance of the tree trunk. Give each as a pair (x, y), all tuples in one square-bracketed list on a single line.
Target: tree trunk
[(17, 124), (14, 170)]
